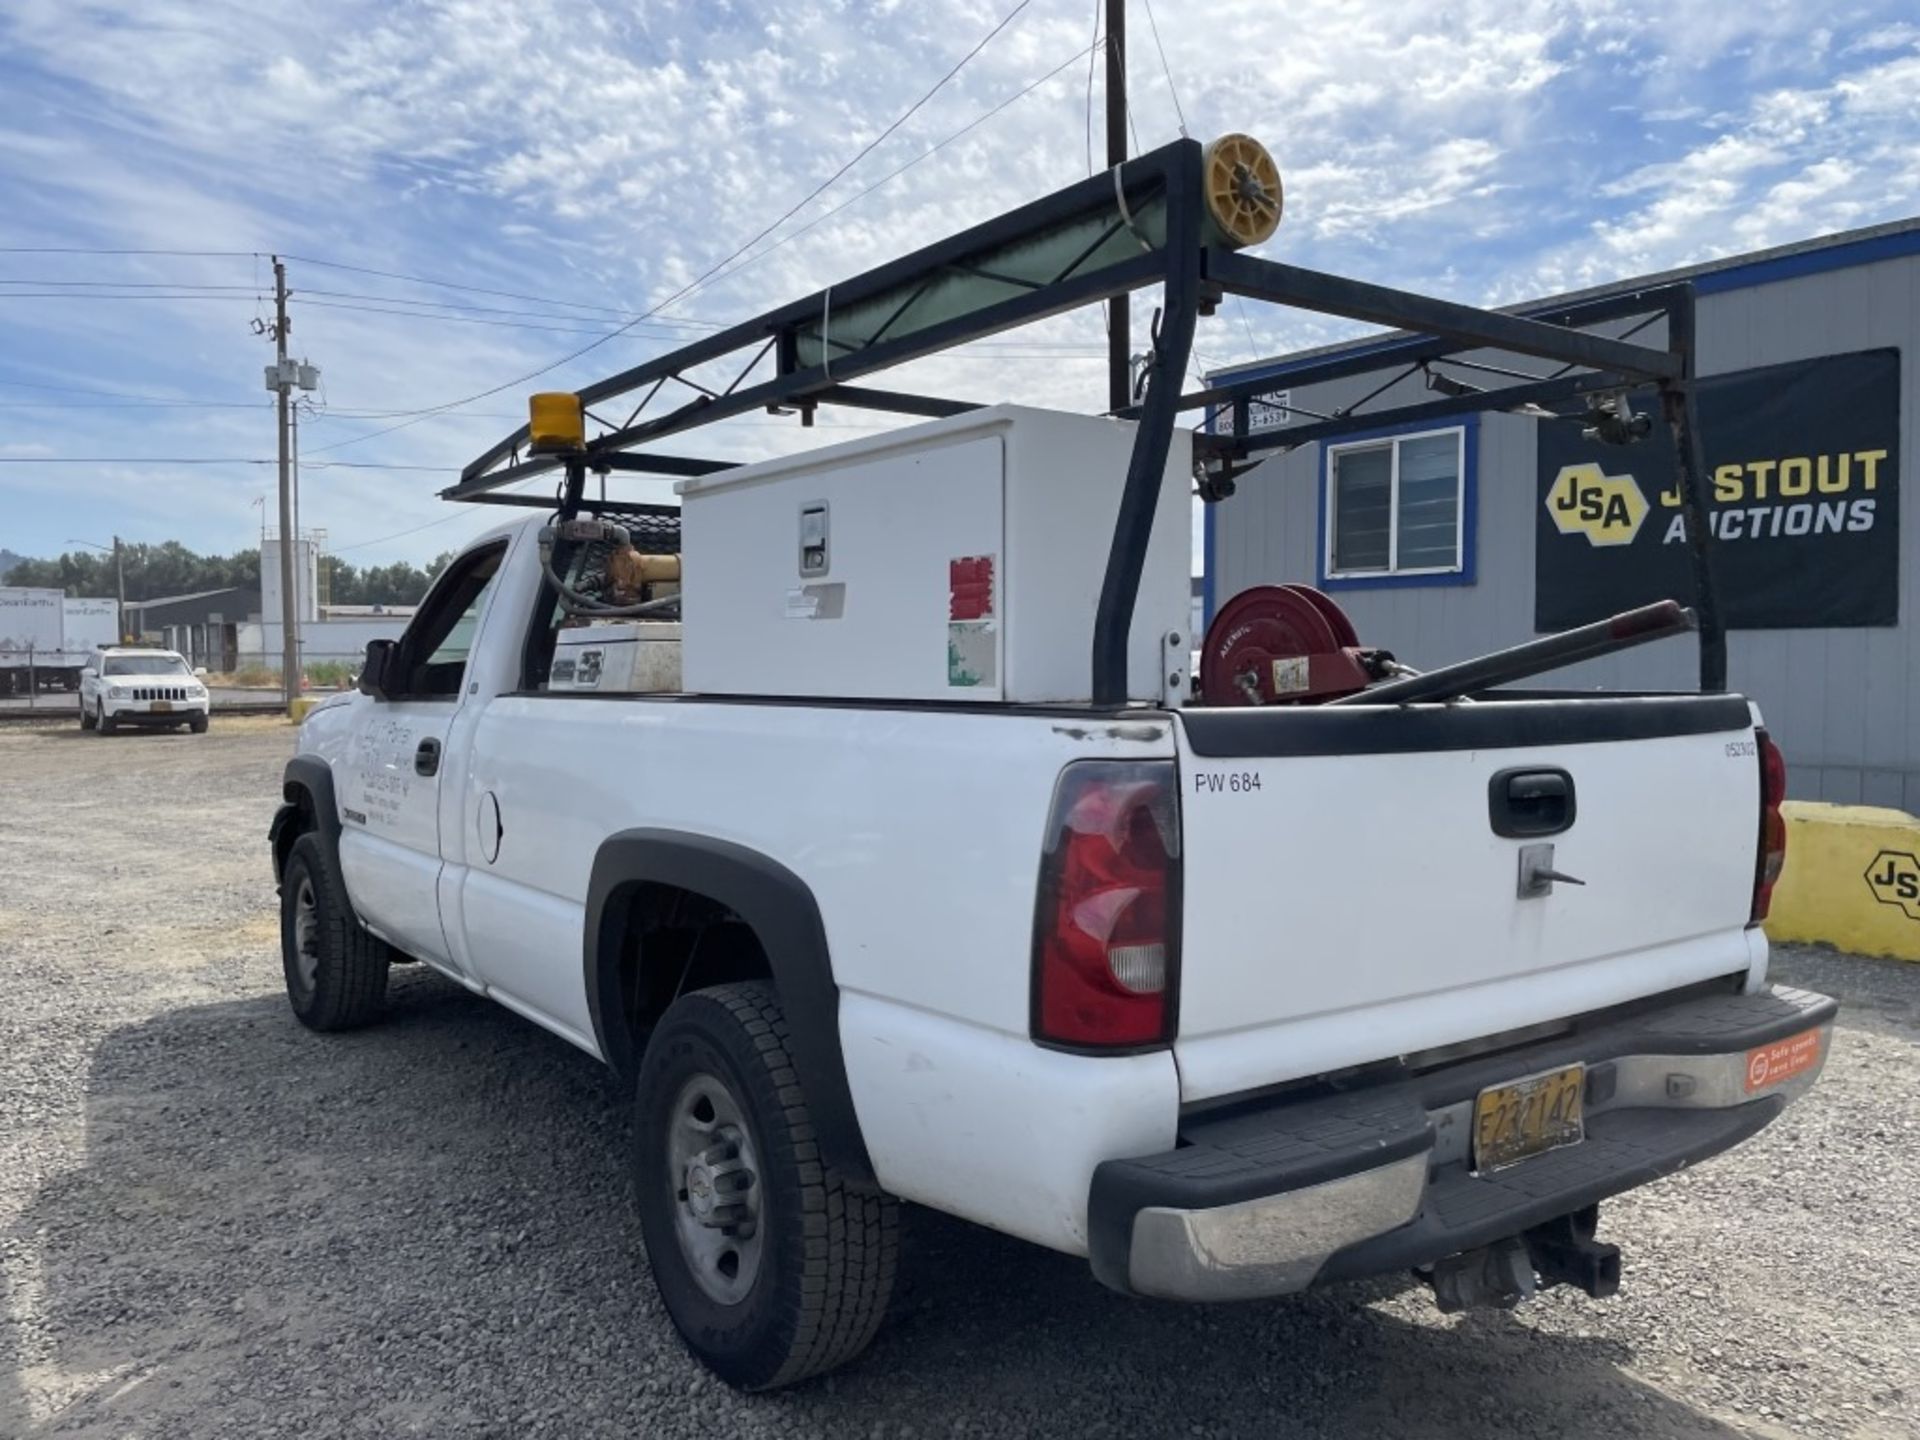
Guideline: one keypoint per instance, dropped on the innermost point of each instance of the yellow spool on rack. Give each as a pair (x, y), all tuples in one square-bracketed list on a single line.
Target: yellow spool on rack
[(1242, 186)]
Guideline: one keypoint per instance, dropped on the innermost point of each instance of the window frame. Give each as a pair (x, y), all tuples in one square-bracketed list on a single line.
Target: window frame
[(405, 660), (1466, 515)]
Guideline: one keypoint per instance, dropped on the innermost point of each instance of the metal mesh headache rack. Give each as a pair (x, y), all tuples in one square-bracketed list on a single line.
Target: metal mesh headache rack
[(1177, 217)]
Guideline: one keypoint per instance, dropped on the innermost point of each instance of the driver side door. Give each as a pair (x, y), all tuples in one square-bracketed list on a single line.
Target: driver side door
[(390, 781)]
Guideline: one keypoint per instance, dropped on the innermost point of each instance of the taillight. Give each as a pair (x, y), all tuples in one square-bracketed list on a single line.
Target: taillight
[(1773, 826), (1106, 930)]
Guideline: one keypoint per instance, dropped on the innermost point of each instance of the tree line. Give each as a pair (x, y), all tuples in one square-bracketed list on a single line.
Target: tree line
[(156, 571)]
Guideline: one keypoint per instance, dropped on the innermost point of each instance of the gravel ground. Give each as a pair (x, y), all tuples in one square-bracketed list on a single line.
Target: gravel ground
[(215, 1223)]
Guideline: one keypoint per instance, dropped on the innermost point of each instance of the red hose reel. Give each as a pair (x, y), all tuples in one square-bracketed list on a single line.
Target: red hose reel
[(1284, 645)]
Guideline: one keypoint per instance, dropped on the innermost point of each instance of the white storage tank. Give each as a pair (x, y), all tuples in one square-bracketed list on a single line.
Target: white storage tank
[(959, 560)]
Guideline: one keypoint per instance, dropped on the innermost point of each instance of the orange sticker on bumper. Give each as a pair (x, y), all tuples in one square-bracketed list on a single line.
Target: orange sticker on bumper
[(1782, 1060)]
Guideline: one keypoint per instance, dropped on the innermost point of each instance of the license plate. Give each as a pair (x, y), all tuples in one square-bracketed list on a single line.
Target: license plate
[(163, 707), (1529, 1117)]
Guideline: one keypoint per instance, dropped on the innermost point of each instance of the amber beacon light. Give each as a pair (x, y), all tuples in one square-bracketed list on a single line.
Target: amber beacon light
[(556, 424)]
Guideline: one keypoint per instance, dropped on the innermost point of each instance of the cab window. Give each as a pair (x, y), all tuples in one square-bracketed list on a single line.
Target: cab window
[(432, 654), (145, 665)]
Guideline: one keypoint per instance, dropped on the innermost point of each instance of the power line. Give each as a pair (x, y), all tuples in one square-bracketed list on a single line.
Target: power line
[(308, 303), (305, 292), (1173, 91), (95, 250), (864, 151), (451, 285), (1093, 63), (214, 460), (122, 284), (397, 535), (305, 298), (456, 513), (1166, 69), (137, 405), (683, 320), (114, 394), (893, 175), (103, 295)]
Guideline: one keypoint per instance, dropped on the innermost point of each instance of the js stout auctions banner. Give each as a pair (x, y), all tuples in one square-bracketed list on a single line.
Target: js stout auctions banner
[(1803, 468)]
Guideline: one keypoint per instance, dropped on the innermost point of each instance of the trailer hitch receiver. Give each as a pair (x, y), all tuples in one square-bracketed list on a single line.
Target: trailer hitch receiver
[(1565, 1252)]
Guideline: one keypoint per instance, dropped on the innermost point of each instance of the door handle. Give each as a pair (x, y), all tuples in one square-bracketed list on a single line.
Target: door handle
[(426, 760), (1524, 803)]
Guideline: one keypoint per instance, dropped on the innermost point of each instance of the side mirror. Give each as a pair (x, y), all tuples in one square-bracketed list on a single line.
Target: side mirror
[(87, 672), (373, 674)]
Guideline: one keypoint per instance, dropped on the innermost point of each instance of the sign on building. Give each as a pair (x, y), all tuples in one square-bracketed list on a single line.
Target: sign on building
[(1264, 412), (1803, 468)]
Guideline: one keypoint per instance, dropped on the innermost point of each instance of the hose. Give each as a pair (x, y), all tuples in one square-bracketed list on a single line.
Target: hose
[(588, 605)]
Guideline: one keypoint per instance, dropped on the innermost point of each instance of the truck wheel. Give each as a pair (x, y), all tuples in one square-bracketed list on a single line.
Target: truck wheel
[(86, 717), (772, 1268), (198, 724), (336, 972), (104, 723)]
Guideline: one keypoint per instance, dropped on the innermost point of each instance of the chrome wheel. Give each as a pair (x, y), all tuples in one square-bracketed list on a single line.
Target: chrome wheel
[(715, 1172), (306, 934)]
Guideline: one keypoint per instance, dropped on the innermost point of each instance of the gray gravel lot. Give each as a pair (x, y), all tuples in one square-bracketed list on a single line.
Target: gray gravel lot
[(214, 1223)]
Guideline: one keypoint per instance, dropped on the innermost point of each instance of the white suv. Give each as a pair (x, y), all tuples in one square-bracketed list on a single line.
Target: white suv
[(122, 686)]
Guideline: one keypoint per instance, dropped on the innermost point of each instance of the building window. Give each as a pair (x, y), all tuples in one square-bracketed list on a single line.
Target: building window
[(1397, 506)]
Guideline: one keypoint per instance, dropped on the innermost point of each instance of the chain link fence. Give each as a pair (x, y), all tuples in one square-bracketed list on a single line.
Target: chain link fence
[(30, 682)]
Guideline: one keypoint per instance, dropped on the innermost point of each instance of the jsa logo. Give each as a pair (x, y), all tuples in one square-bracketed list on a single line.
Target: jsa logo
[(1607, 509), (1894, 878)]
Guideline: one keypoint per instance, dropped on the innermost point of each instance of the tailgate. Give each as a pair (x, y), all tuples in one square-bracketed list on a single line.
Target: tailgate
[(1346, 897)]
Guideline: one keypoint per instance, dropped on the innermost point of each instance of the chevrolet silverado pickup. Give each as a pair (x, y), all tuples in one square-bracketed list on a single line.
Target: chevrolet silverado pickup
[(862, 813), (1231, 1001)]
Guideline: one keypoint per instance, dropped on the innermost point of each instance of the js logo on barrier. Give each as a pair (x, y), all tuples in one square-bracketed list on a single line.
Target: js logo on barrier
[(1894, 878), (1607, 509)]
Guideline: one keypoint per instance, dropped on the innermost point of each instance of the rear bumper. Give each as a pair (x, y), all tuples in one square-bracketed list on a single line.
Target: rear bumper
[(1271, 1200)]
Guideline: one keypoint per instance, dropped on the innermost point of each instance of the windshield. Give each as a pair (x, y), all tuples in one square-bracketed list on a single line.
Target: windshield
[(145, 665)]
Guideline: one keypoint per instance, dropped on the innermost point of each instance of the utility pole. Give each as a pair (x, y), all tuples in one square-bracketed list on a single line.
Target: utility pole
[(120, 581), (1119, 341), (289, 619), (118, 551), (299, 570)]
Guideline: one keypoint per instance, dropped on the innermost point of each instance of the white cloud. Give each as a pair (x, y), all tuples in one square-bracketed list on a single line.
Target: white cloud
[(1900, 36), (1487, 148)]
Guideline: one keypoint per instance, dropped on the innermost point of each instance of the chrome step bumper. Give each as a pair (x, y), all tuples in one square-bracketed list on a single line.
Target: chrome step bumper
[(1273, 1199)]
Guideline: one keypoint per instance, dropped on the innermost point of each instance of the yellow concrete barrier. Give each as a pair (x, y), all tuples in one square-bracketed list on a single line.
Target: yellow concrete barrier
[(1852, 879), (297, 709)]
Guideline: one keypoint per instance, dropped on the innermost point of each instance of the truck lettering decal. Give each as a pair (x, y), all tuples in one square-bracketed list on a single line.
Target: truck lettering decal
[(1226, 782)]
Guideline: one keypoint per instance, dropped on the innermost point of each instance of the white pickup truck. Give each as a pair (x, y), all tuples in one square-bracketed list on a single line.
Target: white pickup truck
[(867, 903)]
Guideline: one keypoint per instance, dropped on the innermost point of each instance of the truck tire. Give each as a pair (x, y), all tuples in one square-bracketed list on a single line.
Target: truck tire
[(772, 1268), (336, 972), (104, 724), (198, 724), (86, 717)]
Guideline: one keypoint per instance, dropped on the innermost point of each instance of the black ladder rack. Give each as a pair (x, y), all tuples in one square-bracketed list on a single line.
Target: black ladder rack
[(1140, 226)]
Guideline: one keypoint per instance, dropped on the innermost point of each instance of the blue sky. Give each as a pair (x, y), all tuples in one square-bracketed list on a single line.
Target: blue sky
[(599, 157)]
